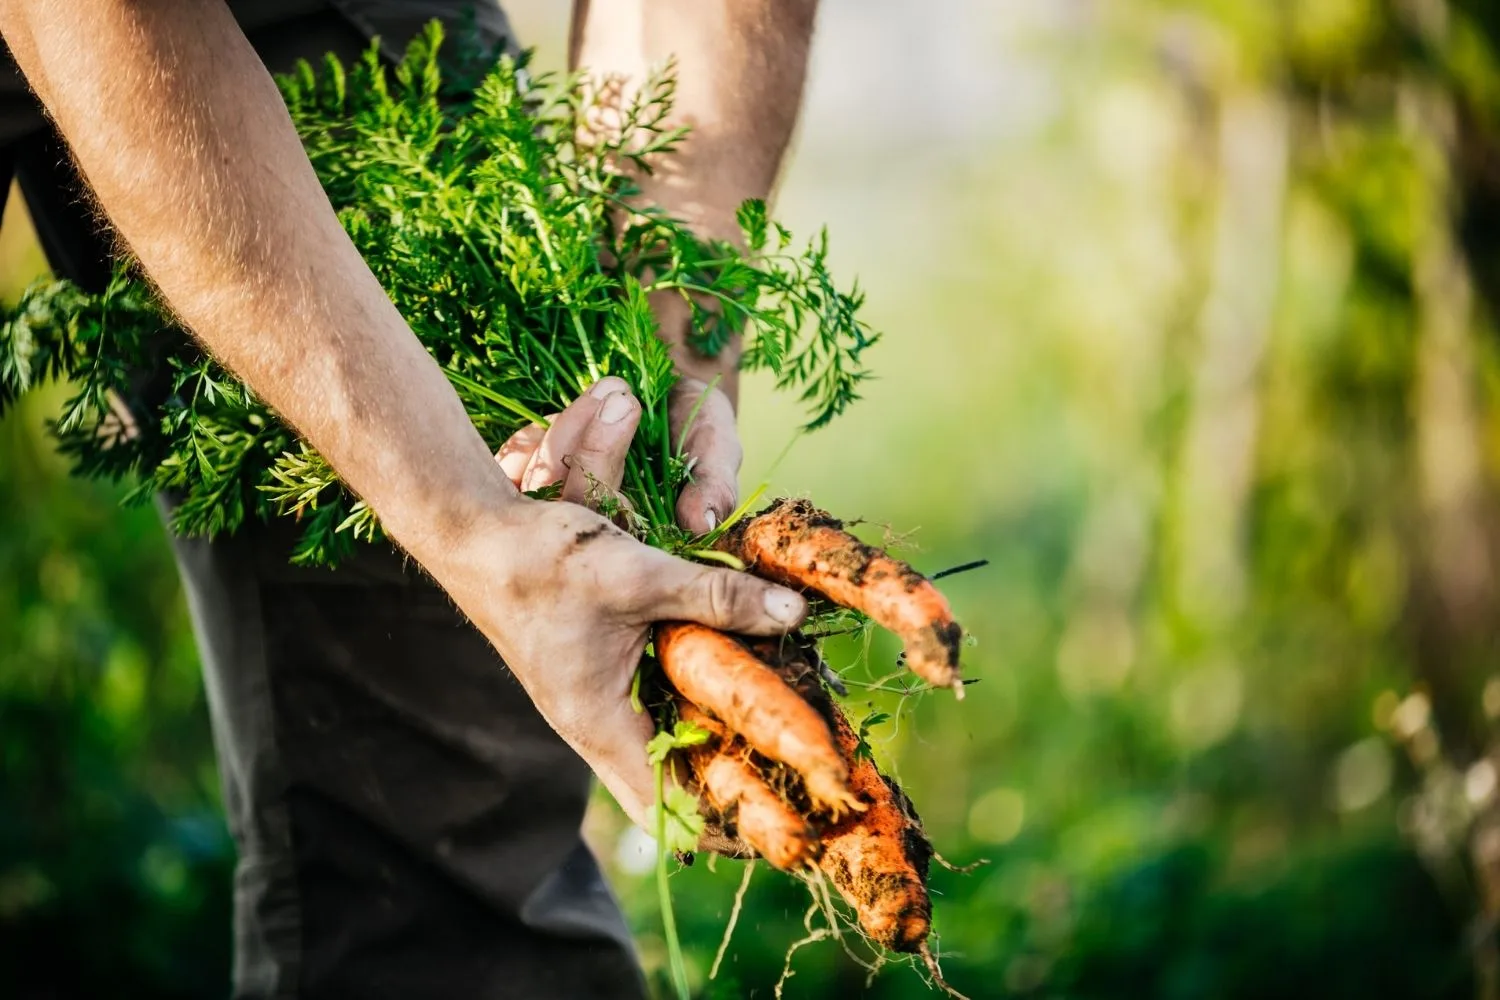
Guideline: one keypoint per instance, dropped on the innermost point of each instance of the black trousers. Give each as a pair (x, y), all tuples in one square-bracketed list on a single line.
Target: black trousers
[(407, 824)]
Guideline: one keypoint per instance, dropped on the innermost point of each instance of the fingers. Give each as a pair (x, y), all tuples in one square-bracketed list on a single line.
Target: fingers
[(585, 446), (712, 445), (730, 601), (516, 453), (597, 461)]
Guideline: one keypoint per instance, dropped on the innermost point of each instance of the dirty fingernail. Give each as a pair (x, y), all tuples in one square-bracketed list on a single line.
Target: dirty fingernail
[(616, 408), (711, 518), (784, 606)]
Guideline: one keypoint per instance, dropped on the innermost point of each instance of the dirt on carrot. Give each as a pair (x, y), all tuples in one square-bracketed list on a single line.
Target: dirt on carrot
[(878, 858), (747, 808), (796, 544), (718, 674)]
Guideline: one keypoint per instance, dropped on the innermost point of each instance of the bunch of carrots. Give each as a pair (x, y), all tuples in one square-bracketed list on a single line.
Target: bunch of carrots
[(782, 770)]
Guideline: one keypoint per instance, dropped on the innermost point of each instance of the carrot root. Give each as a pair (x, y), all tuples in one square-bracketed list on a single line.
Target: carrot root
[(936, 972)]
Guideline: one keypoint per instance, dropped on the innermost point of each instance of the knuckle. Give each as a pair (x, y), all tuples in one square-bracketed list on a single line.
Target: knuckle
[(720, 594), (634, 587)]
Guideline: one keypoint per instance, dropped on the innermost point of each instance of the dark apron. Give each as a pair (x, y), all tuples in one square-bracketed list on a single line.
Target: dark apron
[(407, 825)]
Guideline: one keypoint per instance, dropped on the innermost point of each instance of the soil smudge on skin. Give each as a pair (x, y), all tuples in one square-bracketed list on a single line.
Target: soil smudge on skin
[(587, 535)]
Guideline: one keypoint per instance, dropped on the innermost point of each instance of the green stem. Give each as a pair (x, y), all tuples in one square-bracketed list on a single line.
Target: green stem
[(676, 285), (494, 397), (567, 299), (583, 340), (565, 370), (664, 422), (654, 492), (664, 894), (642, 486)]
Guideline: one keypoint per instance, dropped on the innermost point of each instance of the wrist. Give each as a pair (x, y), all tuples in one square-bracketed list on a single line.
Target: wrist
[(442, 522)]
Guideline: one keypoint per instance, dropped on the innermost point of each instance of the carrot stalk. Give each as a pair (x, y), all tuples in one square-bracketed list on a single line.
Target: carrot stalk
[(712, 670), (796, 544)]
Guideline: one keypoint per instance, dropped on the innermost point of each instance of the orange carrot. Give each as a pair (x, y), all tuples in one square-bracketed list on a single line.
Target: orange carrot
[(878, 858), (794, 543), (714, 671), (747, 806)]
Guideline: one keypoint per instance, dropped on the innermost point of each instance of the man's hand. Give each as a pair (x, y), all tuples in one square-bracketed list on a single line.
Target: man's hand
[(583, 448), (573, 610)]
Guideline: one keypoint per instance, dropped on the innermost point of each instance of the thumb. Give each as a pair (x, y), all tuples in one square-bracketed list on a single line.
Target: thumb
[(707, 499), (703, 419), (724, 599)]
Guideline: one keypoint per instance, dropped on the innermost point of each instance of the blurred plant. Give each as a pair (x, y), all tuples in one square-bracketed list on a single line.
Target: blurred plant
[(115, 867)]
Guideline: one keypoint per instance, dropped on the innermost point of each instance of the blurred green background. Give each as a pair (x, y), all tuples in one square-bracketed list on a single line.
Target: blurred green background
[(1190, 316)]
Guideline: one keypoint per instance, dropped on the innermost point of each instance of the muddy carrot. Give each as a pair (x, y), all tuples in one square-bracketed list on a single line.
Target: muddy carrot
[(715, 672), (878, 858), (794, 543), (749, 809)]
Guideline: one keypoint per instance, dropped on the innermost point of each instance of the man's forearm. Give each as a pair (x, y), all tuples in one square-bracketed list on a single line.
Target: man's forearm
[(741, 65), (186, 143)]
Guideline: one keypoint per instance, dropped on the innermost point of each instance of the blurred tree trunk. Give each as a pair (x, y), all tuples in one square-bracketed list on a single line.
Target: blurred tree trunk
[(1218, 458), (1455, 596)]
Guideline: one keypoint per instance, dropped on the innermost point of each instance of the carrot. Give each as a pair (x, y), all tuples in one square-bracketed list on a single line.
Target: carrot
[(747, 806), (878, 858), (794, 543), (713, 671)]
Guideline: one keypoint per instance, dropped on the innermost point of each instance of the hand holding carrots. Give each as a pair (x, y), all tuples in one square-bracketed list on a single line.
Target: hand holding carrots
[(782, 772), (569, 599)]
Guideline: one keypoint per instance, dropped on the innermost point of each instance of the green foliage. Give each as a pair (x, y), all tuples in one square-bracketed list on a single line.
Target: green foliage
[(520, 255), (113, 851), (869, 722), (679, 822)]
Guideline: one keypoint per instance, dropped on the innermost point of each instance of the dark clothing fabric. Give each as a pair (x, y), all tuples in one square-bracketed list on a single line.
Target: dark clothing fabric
[(407, 824), (283, 31)]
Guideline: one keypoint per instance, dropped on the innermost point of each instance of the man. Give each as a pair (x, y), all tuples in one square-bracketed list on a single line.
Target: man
[(408, 825)]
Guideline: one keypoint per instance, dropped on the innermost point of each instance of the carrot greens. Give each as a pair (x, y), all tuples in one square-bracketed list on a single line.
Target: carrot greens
[(512, 240)]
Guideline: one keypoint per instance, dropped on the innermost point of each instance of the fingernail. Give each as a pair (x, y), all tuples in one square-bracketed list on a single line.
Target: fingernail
[(711, 517), (607, 385), (784, 606), (616, 408)]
